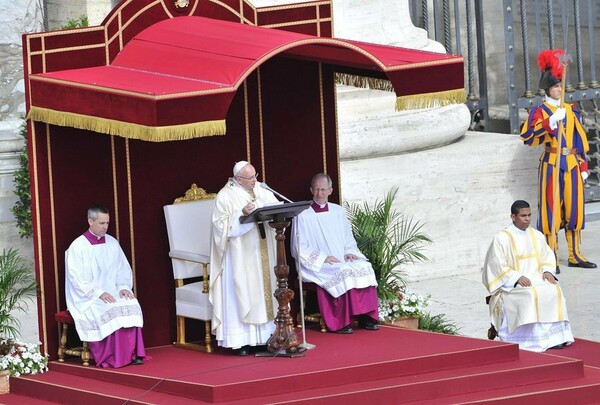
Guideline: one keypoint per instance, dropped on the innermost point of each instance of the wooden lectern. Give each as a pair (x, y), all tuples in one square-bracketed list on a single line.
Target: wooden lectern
[(284, 341)]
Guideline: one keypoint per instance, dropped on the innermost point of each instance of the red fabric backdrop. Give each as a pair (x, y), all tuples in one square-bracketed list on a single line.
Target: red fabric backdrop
[(281, 118)]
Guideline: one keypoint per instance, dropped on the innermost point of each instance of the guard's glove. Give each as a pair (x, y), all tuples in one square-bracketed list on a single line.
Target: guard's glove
[(558, 116)]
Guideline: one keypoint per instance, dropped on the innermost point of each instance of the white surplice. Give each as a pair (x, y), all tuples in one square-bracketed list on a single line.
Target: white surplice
[(534, 317), (242, 280), (318, 235), (90, 271)]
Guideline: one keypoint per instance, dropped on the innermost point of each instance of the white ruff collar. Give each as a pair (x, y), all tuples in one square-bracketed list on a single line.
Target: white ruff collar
[(551, 101)]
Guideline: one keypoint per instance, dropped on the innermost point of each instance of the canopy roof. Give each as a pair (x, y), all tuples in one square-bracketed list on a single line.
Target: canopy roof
[(176, 79)]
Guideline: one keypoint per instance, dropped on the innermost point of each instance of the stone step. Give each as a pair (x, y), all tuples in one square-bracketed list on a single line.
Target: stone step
[(592, 211)]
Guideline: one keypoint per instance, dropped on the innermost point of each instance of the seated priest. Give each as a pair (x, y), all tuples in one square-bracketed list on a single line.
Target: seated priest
[(327, 255), (98, 289), (527, 305)]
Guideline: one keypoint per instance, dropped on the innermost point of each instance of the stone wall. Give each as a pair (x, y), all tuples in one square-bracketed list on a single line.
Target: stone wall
[(16, 17), (60, 11)]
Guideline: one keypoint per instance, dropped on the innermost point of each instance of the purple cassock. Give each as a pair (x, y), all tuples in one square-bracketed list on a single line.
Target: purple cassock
[(345, 290), (124, 346)]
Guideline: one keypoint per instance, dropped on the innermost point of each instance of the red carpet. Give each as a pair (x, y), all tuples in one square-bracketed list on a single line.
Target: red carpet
[(389, 366)]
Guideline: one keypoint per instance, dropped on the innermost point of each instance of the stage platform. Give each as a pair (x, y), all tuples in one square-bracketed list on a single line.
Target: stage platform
[(388, 366)]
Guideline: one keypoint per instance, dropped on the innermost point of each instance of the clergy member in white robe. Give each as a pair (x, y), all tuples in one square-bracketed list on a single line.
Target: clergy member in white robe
[(327, 255), (527, 305), (98, 289), (242, 280)]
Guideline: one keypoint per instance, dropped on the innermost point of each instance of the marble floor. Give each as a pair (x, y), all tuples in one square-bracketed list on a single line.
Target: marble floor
[(462, 298)]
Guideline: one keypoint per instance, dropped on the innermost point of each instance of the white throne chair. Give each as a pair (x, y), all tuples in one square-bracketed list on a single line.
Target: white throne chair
[(189, 229)]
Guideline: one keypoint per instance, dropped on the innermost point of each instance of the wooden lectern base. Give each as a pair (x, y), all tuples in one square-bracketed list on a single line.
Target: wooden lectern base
[(282, 353), (284, 341)]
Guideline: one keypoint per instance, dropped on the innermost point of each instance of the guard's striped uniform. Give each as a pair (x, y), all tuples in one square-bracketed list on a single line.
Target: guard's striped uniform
[(536, 131)]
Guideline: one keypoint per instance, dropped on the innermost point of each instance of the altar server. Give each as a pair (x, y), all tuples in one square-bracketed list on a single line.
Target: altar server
[(327, 255), (527, 305), (99, 295)]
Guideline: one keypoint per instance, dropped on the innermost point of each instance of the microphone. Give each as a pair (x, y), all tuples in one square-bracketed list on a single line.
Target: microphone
[(264, 185)]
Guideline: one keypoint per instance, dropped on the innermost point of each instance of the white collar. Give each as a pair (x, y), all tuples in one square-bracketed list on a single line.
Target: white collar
[(551, 101)]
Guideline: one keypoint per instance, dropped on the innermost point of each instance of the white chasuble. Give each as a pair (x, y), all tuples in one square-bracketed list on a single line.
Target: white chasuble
[(317, 235), (91, 270), (242, 280)]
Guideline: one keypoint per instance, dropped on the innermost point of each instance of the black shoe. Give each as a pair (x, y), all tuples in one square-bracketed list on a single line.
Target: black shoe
[(367, 323), (346, 330), (560, 346), (583, 265), (557, 270), (138, 361), (243, 351), (492, 333)]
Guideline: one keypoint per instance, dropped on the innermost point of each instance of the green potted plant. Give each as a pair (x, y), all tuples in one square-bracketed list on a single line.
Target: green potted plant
[(389, 240), (17, 289)]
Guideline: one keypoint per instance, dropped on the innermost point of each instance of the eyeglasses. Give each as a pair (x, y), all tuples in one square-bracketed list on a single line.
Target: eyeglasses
[(249, 178), (320, 190)]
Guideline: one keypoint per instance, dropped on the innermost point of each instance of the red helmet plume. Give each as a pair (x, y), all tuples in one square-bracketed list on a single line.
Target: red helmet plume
[(551, 66)]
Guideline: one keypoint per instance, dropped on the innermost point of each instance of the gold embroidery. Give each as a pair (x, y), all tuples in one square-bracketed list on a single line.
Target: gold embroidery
[(264, 258)]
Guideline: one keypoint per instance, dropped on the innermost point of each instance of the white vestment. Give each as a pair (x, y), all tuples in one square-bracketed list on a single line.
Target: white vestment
[(91, 270), (534, 317), (242, 281), (318, 235)]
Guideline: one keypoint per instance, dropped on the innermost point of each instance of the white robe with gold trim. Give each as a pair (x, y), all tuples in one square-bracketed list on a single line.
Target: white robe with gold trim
[(242, 280), (534, 317)]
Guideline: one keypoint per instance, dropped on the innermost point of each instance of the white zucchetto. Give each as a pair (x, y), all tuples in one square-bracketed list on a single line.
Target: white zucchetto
[(239, 166)]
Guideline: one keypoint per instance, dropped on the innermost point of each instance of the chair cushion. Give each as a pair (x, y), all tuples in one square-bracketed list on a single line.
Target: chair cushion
[(64, 317), (192, 294), (190, 256), (191, 302)]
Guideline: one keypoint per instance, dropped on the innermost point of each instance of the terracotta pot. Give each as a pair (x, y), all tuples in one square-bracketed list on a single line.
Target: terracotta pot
[(405, 322), (4, 382)]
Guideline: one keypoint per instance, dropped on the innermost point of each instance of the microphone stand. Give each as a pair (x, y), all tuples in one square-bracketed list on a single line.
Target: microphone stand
[(266, 187), (304, 343)]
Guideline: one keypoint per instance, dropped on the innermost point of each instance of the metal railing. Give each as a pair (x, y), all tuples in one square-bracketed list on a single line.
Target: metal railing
[(529, 27), (555, 24), (448, 22)]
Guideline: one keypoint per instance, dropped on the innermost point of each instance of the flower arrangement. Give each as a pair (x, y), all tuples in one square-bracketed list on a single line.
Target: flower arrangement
[(22, 358), (408, 304)]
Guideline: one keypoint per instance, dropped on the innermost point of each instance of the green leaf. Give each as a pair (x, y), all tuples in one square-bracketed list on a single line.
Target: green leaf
[(389, 240), (17, 288)]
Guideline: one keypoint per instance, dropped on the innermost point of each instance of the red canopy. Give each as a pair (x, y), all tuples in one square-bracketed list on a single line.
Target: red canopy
[(176, 79)]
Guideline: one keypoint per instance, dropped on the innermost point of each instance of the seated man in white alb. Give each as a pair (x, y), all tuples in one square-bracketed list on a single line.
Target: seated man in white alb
[(99, 295), (326, 251), (527, 306)]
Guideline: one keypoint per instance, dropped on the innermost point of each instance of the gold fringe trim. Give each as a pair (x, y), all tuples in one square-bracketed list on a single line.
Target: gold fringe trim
[(430, 100), (363, 82), (128, 129), (412, 102)]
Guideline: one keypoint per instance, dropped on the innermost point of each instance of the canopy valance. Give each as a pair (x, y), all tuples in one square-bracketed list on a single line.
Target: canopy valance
[(176, 79)]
